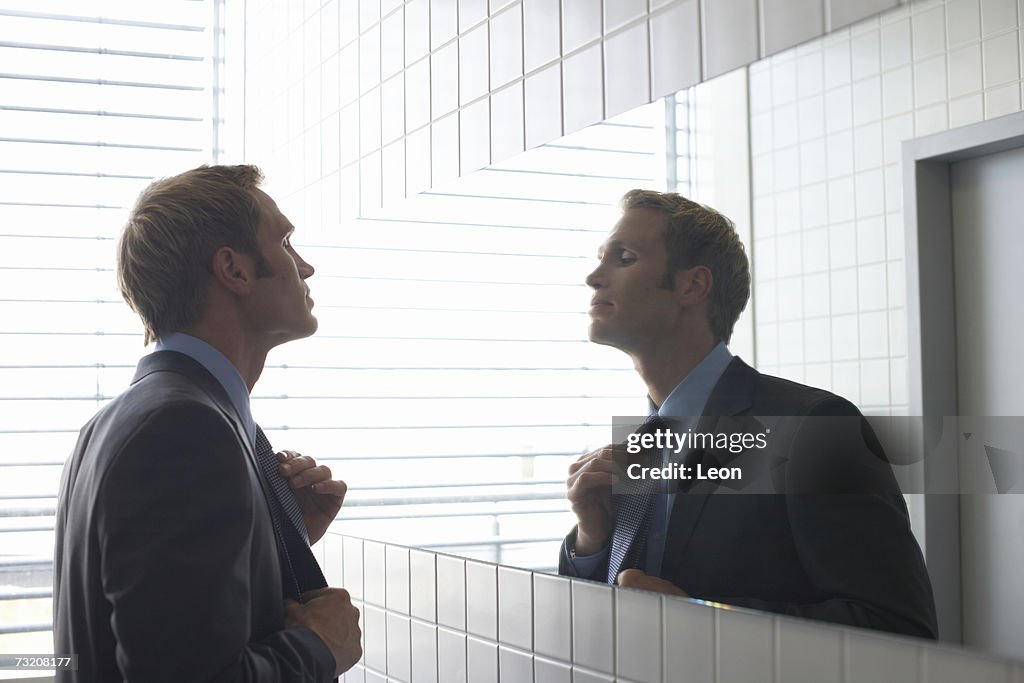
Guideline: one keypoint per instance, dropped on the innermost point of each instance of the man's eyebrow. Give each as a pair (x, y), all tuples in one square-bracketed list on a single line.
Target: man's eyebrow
[(616, 244)]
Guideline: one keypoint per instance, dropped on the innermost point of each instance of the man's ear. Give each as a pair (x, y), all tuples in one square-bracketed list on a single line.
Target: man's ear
[(233, 270), (693, 285)]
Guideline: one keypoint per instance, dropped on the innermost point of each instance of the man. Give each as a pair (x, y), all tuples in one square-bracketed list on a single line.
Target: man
[(178, 540), (671, 282)]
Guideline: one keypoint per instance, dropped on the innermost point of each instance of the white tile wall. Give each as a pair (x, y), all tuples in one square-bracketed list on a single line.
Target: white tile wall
[(626, 70), (392, 44), (550, 671), (789, 22), (881, 660), (482, 611), (581, 23), (423, 585), (397, 579), (444, 81), (543, 105), (507, 125), (593, 631), (515, 607), (473, 65), (541, 33), (917, 69), (620, 635), (424, 652), (514, 665), (474, 136), (444, 22), (481, 660), (451, 592), (457, 52), (506, 59), (583, 88), (417, 30), (444, 148), (451, 656), (637, 654), (617, 13), (375, 648), (471, 12), (675, 48), (399, 644), (807, 654), (552, 617), (745, 647)]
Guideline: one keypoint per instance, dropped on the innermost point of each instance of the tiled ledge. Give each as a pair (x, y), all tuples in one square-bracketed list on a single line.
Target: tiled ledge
[(434, 618)]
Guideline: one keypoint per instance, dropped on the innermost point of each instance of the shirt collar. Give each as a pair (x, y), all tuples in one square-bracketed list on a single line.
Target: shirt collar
[(690, 396), (220, 367)]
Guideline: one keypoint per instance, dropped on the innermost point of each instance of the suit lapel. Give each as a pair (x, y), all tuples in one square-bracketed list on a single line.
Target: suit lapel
[(734, 392), (172, 361), (732, 395)]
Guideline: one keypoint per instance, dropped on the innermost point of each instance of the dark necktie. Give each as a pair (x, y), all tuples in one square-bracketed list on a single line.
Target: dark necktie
[(633, 512), (300, 571), (278, 484)]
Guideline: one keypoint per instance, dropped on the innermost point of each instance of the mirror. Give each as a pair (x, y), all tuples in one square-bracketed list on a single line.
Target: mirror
[(453, 326), (451, 382)]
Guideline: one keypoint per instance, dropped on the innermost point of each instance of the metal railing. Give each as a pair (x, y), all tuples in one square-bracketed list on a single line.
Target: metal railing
[(35, 569)]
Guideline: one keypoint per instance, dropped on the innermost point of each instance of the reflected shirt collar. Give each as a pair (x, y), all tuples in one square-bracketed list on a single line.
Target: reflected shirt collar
[(691, 395), (220, 367)]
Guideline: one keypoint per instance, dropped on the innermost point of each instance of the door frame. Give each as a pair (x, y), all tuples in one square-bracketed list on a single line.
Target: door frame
[(931, 333)]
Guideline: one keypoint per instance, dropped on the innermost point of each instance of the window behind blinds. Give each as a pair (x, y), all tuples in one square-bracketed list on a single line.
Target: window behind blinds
[(95, 100)]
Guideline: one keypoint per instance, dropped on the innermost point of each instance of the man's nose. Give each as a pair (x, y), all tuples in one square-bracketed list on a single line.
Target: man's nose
[(305, 269)]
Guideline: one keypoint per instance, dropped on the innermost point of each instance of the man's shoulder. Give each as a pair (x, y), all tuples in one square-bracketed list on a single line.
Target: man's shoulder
[(158, 391), (778, 396), (156, 400)]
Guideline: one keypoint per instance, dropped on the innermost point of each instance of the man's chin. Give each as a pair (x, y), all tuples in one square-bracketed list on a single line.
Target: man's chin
[(297, 332), (598, 336)]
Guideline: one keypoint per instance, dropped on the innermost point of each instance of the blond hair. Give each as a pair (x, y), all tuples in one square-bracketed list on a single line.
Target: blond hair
[(698, 235), (165, 249)]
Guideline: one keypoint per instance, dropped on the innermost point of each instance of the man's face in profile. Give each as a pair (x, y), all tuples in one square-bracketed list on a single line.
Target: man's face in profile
[(281, 306), (630, 306)]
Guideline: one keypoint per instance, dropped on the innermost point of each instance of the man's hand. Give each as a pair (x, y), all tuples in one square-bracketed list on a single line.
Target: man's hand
[(330, 614), (319, 496), (590, 493), (636, 578)]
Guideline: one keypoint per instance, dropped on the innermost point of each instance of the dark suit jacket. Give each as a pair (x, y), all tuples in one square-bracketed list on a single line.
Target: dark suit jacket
[(836, 547), (166, 566)]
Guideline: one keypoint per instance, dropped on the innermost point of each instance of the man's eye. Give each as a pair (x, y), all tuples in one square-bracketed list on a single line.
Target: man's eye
[(626, 258)]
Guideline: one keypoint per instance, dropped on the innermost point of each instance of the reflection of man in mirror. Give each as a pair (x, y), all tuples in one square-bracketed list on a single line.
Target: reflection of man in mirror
[(671, 282)]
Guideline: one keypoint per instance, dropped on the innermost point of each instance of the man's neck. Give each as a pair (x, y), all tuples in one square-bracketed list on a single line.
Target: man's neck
[(247, 360), (662, 369)]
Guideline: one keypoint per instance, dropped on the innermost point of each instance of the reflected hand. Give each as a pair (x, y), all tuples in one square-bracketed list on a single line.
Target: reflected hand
[(589, 490), (636, 578)]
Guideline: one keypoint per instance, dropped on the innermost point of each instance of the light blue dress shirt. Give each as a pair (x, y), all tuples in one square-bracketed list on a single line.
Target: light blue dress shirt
[(687, 400), (220, 367)]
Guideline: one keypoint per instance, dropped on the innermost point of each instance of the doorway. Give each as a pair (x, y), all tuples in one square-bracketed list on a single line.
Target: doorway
[(987, 195), (964, 214)]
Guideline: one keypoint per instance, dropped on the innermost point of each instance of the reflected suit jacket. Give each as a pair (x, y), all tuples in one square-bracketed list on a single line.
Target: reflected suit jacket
[(832, 541), (166, 566)]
